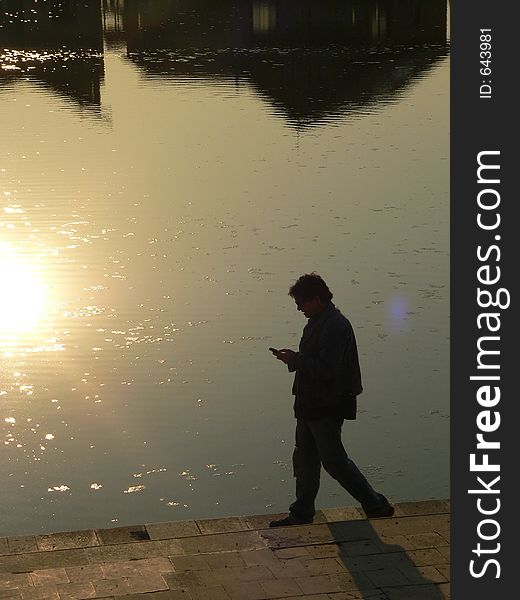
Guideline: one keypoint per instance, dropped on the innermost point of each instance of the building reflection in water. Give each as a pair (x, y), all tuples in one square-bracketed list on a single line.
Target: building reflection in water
[(311, 60), (308, 23), (113, 26), (264, 17), (58, 44), (379, 23)]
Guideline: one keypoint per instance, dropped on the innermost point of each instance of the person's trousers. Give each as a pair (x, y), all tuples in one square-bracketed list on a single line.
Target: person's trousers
[(318, 442)]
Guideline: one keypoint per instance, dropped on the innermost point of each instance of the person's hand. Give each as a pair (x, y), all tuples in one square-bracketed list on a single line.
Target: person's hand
[(285, 355)]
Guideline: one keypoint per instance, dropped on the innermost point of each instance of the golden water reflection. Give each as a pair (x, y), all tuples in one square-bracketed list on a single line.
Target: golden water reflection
[(24, 296)]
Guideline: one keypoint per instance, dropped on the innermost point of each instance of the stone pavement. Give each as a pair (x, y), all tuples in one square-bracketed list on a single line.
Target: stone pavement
[(341, 556)]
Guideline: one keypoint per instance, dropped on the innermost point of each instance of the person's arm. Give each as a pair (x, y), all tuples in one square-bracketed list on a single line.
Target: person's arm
[(333, 343)]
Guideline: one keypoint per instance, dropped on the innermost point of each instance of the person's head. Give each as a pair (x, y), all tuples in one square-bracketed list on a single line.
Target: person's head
[(311, 294)]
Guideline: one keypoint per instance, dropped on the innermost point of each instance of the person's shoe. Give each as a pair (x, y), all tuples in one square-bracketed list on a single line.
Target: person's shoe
[(290, 520), (385, 510)]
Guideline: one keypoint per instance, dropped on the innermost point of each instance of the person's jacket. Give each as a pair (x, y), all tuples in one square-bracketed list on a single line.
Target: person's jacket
[(327, 374)]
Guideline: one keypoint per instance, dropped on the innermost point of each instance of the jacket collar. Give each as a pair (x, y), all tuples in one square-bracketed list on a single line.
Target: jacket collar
[(324, 315)]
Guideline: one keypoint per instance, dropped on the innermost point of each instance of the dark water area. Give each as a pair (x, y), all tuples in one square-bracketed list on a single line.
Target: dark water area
[(312, 61), (168, 169)]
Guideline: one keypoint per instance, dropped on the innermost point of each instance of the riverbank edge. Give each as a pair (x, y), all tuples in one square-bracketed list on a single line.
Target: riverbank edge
[(341, 556)]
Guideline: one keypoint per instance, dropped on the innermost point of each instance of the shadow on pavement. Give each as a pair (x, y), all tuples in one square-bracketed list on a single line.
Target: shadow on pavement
[(377, 570)]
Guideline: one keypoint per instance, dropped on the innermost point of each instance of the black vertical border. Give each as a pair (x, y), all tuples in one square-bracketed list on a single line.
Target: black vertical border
[(481, 124)]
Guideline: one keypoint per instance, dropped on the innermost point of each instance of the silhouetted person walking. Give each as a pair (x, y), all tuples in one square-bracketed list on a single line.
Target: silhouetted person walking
[(326, 383)]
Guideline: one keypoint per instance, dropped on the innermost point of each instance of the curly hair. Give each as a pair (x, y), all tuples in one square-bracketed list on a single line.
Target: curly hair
[(309, 286)]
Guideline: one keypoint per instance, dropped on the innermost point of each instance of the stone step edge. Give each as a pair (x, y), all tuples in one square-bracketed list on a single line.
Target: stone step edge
[(88, 538)]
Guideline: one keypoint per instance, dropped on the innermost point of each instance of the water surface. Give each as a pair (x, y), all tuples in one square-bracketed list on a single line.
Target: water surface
[(168, 170)]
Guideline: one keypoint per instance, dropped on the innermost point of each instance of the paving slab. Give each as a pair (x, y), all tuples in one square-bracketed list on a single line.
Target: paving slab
[(215, 592), (76, 591), (122, 535), (422, 508), (48, 576), (179, 529), (341, 556), (135, 551), (344, 513), (22, 544), (226, 542), (84, 573), (229, 524), (68, 540), (166, 595), (61, 558), (4, 547)]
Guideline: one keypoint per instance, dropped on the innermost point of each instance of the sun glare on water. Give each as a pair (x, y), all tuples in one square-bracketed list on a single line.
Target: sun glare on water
[(22, 295)]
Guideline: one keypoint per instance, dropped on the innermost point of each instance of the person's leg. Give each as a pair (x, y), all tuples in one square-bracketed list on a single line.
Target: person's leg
[(306, 469), (327, 436)]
